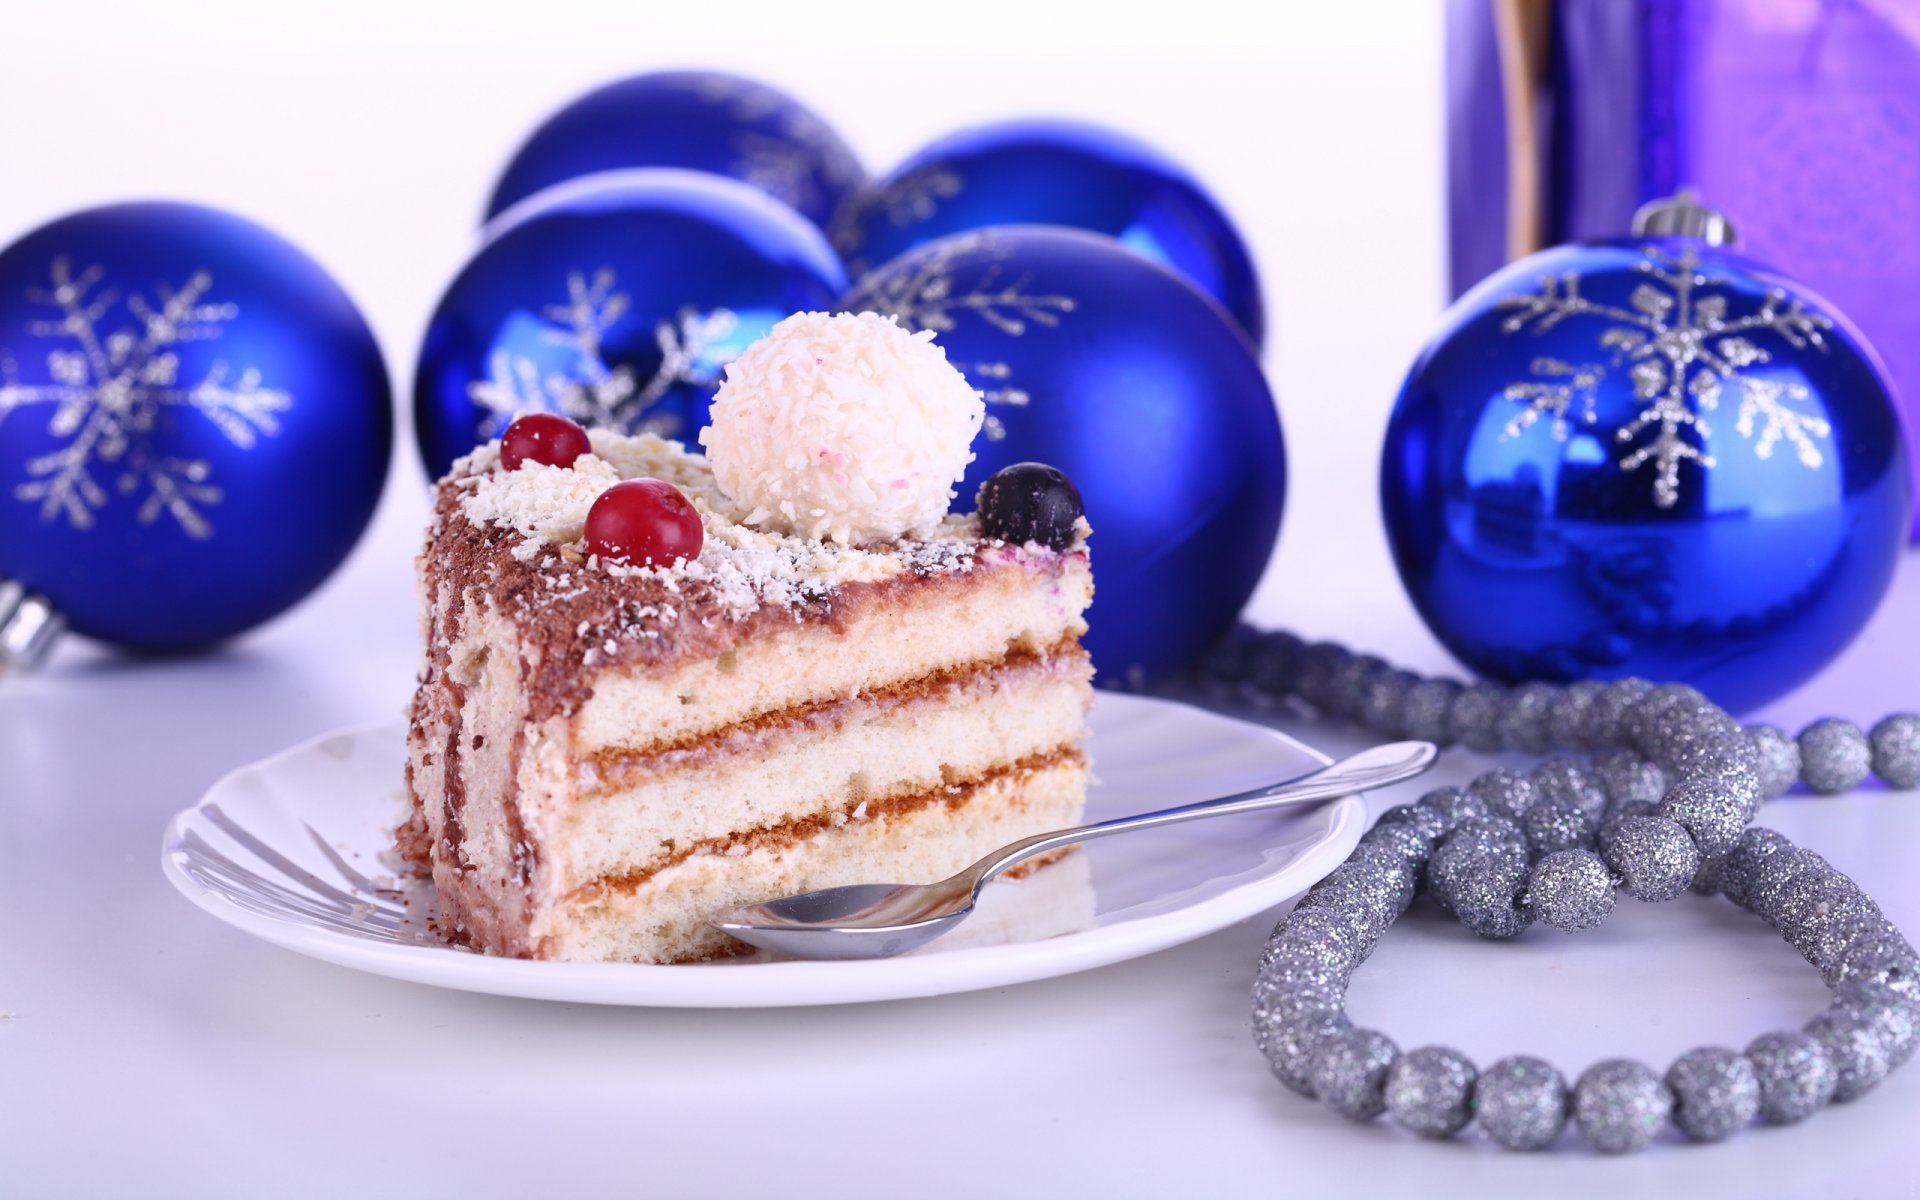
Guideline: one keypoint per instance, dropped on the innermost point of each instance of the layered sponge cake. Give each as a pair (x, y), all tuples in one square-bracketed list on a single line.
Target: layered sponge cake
[(843, 683)]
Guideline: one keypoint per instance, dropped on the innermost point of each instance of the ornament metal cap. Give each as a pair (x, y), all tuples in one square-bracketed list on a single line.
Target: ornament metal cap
[(1682, 215), (29, 626)]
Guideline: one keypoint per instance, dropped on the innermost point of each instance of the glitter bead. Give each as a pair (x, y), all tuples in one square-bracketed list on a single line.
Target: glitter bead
[(1629, 779), (1895, 1022), (1554, 825), (1298, 999), (1569, 780), (1730, 766), (1834, 756), (1430, 822), (1855, 1049), (1347, 687), (1880, 964), (1503, 792), (1476, 714), (1645, 722), (1738, 870), (1778, 757), (1771, 886), (1349, 1072), (1318, 941), (1523, 718), (1289, 1045), (1478, 872), (1456, 806), (1230, 660), (1430, 1091), (1313, 680), (1713, 814), (1568, 714), (1715, 1093), (1521, 1103), (1570, 890), (1357, 898), (1823, 916), (1609, 707), (1796, 1076), (1620, 1105), (1895, 746), (1618, 815), (1654, 857), (1427, 714), (1404, 838), (1275, 667), (1383, 702)]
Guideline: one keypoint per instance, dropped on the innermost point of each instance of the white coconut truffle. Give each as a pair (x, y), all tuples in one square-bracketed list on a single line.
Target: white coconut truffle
[(842, 427)]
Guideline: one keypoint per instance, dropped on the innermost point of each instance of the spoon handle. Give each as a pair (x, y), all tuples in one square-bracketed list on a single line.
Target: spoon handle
[(1376, 767)]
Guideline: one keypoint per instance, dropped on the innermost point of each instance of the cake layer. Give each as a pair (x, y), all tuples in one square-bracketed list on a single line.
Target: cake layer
[(663, 917), (635, 812), (920, 626)]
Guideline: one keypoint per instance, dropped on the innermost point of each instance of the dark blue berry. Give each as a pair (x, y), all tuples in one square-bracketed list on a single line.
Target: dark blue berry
[(1030, 502)]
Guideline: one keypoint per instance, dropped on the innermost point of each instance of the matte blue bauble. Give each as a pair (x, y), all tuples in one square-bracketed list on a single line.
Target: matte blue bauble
[(697, 120), (618, 300), (1122, 374), (195, 423), (1057, 173), (1646, 457)]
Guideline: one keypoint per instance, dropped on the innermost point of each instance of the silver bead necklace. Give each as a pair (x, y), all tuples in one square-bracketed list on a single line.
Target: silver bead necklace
[(1661, 803)]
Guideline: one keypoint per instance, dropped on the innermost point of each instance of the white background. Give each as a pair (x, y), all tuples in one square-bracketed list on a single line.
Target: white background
[(152, 1051)]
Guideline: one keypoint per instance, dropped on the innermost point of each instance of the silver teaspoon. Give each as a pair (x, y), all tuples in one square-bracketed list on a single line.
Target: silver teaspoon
[(878, 920)]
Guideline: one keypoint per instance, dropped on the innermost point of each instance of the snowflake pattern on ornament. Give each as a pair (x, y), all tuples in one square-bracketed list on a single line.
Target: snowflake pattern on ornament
[(782, 167), (929, 298), (694, 347), (908, 200), (109, 388), (1681, 349)]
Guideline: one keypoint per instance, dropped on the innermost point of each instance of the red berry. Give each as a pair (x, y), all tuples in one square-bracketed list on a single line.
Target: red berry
[(645, 523), (543, 438)]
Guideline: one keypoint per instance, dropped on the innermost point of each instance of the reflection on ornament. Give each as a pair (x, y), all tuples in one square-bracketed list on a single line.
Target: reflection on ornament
[(107, 387), (1053, 172), (616, 300), (694, 120), (1124, 376), (695, 348), (1681, 348)]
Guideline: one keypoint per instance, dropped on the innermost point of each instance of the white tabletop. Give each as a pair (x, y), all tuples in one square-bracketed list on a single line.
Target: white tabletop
[(149, 1050)]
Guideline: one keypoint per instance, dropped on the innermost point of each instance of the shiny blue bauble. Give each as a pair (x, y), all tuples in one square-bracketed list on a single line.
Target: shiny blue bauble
[(1121, 373), (617, 300), (195, 423), (1645, 457), (1049, 172), (697, 120)]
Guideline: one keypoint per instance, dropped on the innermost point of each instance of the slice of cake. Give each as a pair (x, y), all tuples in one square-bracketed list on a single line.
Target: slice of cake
[(782, 669)]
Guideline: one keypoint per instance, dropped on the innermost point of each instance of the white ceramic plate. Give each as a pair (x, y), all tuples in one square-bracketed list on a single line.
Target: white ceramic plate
[(293, 850)]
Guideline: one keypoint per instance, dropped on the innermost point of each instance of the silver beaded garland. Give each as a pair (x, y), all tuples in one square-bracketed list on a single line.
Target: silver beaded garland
[(1430, 1091), (1619, 1105), (1665, 799)]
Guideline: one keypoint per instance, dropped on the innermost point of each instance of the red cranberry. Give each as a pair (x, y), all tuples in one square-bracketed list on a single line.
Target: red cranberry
[(543, 438), (645, 523)]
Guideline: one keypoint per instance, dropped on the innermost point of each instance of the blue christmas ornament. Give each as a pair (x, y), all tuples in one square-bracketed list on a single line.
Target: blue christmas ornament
[(697, 120), (1648, 457), (195, 425), (1056, 173), (1123, 375), (616, 300)]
